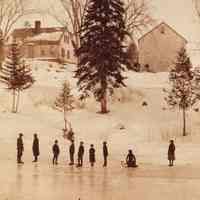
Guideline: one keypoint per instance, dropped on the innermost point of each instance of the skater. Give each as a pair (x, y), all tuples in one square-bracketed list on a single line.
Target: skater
[(20, 148), (105, 153), (171, 153), (71, 152), (92, 155), (80, 155), (35, 147), (131, 159), (56, 152)]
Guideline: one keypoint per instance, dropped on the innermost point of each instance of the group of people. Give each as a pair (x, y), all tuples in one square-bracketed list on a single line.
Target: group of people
[(130, 158)]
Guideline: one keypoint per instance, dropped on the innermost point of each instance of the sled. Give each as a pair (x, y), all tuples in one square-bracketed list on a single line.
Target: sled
[(123, 164)]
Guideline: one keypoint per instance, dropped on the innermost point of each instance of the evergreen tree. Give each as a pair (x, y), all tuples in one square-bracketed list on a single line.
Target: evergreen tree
[(16, 74), (25, 80), (102, 56), (185, 85), (65, 101)]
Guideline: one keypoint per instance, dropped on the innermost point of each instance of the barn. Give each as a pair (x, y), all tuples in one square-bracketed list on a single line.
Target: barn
[(158, 48)]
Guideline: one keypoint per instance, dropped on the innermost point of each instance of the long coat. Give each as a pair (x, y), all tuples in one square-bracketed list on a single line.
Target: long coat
[(105, 151), (56, 149), (72, 149), (80, 151), (92, 155), (36, 151), (171, 152), (20, 146)]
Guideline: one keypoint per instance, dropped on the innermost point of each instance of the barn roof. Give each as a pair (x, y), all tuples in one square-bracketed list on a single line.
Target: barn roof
[(157, 26)]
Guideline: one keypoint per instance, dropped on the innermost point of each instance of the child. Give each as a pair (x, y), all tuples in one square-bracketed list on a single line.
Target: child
[(56, 152), (92, 155)]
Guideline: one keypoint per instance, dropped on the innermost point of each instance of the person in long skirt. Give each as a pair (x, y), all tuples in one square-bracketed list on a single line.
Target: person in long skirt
[(92, 155), (20, 149), (171, 153), (105, 154), (35, 148)]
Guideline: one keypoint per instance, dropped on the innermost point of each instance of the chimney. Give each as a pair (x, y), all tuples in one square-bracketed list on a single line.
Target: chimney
[(37, 27)]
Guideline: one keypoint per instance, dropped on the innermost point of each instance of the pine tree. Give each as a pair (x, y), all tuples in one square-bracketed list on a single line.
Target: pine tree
[(25, 80), (15, 74), (102, 56), (65, 101), (185, 85)]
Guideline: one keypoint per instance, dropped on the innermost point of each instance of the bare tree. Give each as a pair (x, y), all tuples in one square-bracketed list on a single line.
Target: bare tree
[(70, 18), (197, 7), (137, 17), (10, 12)]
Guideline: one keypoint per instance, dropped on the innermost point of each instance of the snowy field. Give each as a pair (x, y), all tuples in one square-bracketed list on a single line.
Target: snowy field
[(147, 130)]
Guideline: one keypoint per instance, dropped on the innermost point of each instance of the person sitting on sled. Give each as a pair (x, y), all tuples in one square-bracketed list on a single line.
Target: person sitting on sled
[(131, 159)]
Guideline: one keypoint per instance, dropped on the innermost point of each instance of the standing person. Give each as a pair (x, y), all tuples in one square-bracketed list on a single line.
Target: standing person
[(171, 153), (92, 155), (71, 152), (20, 148), (35, 147), (105, 153), (131, 159), (56, 152), (80, 155)]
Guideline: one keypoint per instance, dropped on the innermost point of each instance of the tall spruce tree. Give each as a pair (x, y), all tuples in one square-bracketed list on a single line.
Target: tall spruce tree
[(102, 56), (15, 74), (185, 85)]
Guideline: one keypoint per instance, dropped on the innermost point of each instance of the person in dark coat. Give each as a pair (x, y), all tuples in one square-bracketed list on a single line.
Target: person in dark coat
[(20, 148), (56, 152), (80, 155), (105, 154), (131, 159), (35, 148), (92, 155), (71, 152), (171, 153)]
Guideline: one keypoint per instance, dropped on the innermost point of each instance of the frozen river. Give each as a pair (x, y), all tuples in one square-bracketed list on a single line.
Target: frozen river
[(148, 182)]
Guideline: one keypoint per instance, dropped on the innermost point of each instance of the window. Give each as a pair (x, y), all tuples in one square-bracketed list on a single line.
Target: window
[(66, 39), (63, 52), (52, 51), (42, 52), (162, 30), (68, 54)]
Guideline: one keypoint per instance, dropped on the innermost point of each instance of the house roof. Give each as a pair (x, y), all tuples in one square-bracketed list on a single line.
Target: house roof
[(157, 26), (52, 34)]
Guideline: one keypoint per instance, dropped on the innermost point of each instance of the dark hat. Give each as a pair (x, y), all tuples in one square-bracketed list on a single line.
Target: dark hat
[(81, 142), (104, 142), (20, 134), (56, 141), (35, 134)]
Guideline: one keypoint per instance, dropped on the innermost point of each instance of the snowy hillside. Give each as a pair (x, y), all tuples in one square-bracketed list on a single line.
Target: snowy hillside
[(128, 125)]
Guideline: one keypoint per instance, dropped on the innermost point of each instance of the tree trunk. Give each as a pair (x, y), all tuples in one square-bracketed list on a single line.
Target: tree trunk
[(184, 122), (18, 99), (65, 119), (13, 103), (104, 104)]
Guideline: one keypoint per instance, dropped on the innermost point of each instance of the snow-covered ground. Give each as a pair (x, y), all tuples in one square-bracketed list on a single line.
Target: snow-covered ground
[(147, 130)]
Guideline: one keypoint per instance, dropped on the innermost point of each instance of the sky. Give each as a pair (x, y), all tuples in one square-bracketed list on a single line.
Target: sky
[(180, 14)]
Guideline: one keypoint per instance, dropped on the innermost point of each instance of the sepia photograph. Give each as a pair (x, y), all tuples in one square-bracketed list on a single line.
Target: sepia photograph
[(99, 99)]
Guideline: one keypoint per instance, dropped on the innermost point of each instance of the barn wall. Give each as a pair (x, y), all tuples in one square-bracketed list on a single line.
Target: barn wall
[(159, 48)]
